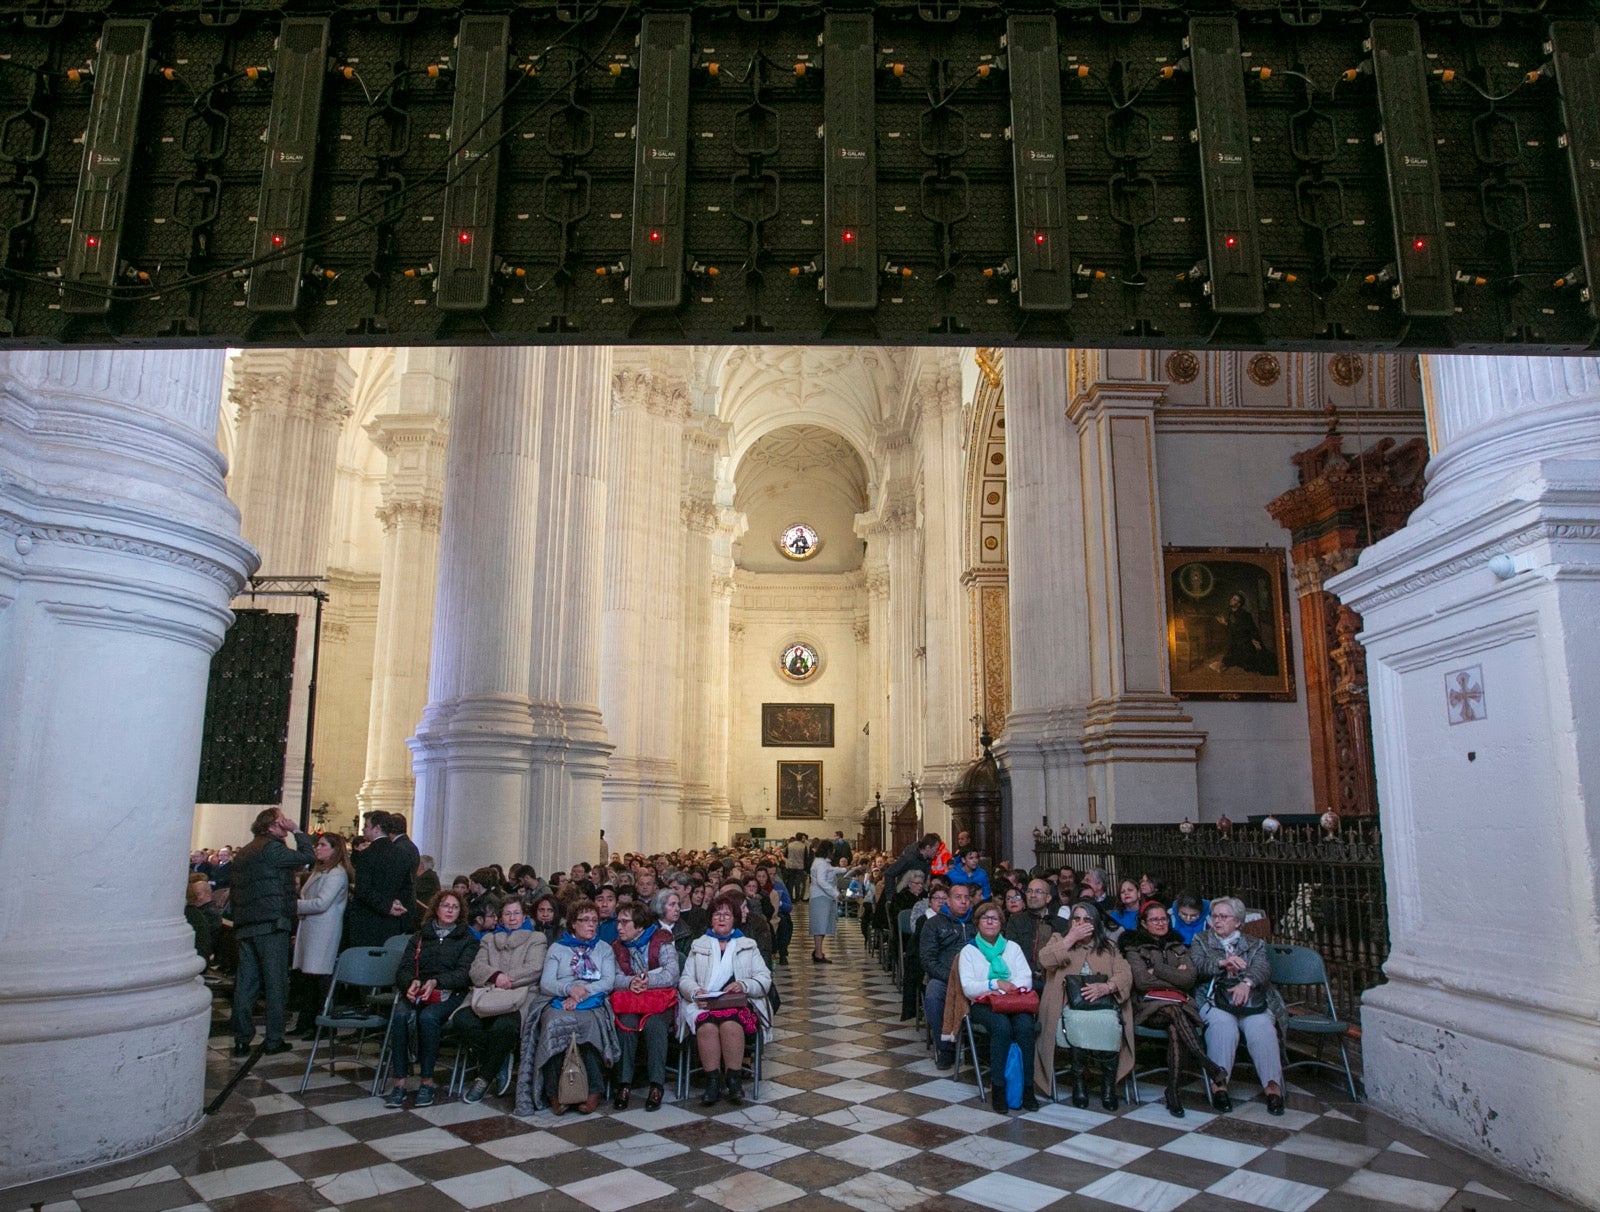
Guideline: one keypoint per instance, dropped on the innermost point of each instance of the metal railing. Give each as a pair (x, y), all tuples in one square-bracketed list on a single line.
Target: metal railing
[(1315, 890)]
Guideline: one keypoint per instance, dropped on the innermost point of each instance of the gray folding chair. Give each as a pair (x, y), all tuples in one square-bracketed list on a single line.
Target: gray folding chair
[(1303, 966), (361, 967)]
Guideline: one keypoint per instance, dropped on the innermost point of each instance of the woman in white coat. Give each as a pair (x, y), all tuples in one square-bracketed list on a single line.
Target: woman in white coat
[(824, 898), (723, 961), (321, 911)]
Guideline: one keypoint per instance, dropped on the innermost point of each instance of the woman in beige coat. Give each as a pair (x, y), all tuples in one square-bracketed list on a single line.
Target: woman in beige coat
[(1083, 952)]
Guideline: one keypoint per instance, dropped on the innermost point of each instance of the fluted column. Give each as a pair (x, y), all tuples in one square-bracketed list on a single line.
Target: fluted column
[(1142, 751), (640, 637), (704, 439), (880, 774), (1479, 628), (894, 526), (570, 741), (119, 553), (1042, 746), (291, 406), (412, 435)]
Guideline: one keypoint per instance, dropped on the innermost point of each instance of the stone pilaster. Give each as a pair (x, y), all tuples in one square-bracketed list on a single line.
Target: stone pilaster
[(642, 614), (119, 553), (412, 435), (1042, 743), (1140, 747), (703, 439), (291, 405), (1481, 645)]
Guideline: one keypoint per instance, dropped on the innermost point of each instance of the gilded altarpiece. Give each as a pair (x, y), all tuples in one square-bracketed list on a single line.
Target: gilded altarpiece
[(987, 577)]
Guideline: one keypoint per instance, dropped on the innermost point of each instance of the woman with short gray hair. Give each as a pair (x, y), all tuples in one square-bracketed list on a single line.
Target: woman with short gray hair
[(1236, 997)]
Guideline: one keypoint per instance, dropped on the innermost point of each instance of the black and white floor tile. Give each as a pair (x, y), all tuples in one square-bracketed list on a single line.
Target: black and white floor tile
[(851, 1114)]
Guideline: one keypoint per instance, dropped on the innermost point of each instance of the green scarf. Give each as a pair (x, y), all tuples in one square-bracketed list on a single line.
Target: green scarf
[(998, 971)]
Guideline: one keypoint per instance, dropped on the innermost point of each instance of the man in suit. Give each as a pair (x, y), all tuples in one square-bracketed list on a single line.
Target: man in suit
[(841, 849), (394, 829), (383, 876)]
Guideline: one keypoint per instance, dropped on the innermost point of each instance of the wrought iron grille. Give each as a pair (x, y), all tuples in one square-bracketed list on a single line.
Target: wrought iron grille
[(1315, 891)]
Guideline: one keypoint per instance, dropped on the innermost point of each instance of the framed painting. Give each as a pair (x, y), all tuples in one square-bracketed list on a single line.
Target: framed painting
[(797, 725), (1228, 624), (799, 791)]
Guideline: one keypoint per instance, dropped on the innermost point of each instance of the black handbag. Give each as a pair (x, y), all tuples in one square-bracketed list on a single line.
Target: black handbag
[(1220, 996), (1076, 1000)]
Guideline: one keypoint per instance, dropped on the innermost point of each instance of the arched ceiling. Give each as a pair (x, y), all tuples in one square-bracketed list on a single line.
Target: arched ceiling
[(800, 473)]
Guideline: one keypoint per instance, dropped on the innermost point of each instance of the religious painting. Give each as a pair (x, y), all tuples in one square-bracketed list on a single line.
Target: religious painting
[(1228, 624), (797, 725), (799, 791), (798, 661)]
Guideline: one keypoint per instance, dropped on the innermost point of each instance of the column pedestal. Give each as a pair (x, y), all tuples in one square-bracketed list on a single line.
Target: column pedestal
[(1480, 638), (119, 552)]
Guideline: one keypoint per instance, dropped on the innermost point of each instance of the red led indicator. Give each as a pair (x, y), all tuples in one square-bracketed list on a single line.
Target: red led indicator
[(655, 237), (92, 242), (465, 237), (1231, 241), (1038, 237), (1419, 244), (277, 241), (849, 237)]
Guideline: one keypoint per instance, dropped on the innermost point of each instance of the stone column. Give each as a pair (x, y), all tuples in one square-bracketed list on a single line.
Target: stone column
[(119, 553), (1479, 626), (1042, 747), (893, 527), (704, 439), (950, 743), (1141, 749), (292, 405), (641, 802), (876, 673), (412, 435), (511, 737)]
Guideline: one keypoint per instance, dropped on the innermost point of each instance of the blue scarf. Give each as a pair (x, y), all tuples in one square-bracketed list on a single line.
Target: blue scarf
[(963, 920), (583, 958), (640, 950), (527, 924), (725, 938)]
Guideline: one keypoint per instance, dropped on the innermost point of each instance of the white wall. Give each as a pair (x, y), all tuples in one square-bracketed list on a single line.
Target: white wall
[(775, 609)]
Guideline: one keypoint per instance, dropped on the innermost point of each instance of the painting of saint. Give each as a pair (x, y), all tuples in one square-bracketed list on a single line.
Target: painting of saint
[(1228, 624)]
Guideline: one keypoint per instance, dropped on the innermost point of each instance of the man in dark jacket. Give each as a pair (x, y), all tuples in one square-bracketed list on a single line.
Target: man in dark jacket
[(951, 929), (1032, 928), (916, 857), (394, 828), (383, 874), (263, 911)]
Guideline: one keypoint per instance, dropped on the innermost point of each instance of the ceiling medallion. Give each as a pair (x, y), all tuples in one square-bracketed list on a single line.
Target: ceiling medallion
[(1183, 367), (1346, 369), (799, 542), (1263, 370), (799, 662)]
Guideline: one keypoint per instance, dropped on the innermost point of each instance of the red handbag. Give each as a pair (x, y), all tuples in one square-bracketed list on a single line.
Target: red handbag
[(1025, 1001), (651, 1001)]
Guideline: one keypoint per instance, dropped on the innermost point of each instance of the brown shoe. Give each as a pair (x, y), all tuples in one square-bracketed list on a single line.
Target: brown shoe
[(590, 1105)]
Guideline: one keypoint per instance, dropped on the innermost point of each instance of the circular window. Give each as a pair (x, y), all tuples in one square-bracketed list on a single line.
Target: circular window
[(798, 662), (799, 542)]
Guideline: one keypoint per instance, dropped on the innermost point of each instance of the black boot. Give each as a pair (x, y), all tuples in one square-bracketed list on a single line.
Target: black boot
[(734, 1087), (997, 1096), (713, 1094), (1080, 1096), (1108, 1081), (1030, 1101), (1174, 1077)]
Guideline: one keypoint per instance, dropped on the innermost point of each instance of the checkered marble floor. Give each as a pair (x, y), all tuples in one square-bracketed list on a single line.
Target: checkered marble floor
[(852, 1114)]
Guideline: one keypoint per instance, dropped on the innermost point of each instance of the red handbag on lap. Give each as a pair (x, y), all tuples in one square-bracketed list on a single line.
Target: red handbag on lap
[(651, 1001), (1024, 1002)]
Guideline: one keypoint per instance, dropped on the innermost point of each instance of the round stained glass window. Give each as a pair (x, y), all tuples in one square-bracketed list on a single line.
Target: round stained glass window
[(798, 662), (799, 542)]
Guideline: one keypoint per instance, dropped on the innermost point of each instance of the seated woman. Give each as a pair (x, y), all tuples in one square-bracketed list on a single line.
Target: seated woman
[(1085, 961), (1237, 999), (1163, 978), (1190, 914), (647, 983), (723, 961), (579, 971), (546, 916), (432, 979), (1126, 914), (779, 908), (509, 964), (991, 965), (672, 919)]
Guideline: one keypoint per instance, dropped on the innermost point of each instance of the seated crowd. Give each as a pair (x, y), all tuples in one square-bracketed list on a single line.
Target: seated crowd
[(550, 983)]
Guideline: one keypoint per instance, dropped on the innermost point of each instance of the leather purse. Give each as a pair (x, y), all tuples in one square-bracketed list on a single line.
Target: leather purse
[(1220, 997), (1170, 996), (1023, 1001), (487, 1001), (651, 1001), (1076, 1000), (726, 1001)]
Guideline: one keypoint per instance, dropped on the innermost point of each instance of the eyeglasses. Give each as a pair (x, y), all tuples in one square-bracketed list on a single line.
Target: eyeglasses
[(1155, 917)]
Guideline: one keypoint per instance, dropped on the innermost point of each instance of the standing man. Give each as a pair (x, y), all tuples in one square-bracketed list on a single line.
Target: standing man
[(394, 828), (916, 857), (795, 873), (263, 908), (841, 849), (383, 875)]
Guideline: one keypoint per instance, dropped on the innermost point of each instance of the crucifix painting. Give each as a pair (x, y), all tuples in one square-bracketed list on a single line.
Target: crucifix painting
[(799, 791)]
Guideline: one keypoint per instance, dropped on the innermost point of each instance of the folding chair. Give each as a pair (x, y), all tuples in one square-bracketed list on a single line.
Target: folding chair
[(689, 1057), (903, 931), (967, 1035), (359, 966), (1304, 966)]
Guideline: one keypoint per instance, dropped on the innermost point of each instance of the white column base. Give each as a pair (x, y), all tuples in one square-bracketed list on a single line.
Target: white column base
[(1142, 755), (1511, 1083), (1042, 753)]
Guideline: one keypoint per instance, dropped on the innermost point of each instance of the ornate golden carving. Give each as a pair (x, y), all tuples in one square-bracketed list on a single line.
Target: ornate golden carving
[(1346, 369), (1183, 366), (1263, 370), (996, 614), (988, 361)]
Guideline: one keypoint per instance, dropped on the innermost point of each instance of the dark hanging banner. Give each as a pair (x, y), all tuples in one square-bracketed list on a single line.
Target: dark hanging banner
[(1251, 174), (246, 730)]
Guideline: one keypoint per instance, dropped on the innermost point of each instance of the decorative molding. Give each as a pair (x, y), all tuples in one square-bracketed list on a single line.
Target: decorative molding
[(700, 516), (1530, 536), (424, 513), (1263, 369), (1183, 367), (1346, 369), (26, 535)]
